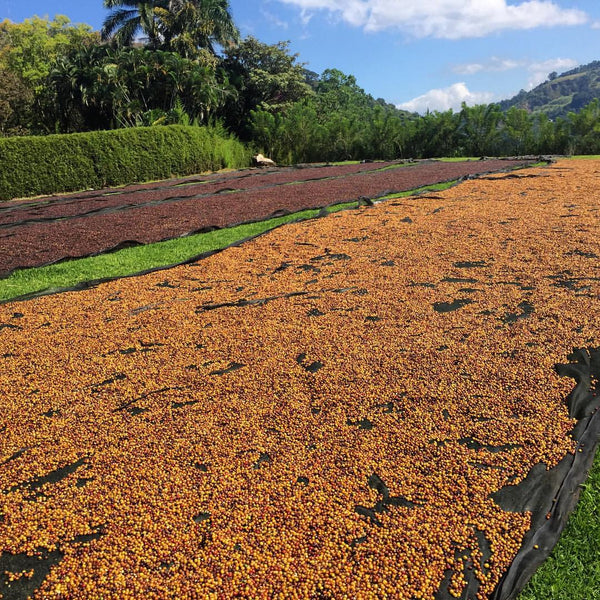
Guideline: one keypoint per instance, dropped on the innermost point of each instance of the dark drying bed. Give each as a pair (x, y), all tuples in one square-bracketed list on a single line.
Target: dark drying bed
[(92, 201), (39, 232)]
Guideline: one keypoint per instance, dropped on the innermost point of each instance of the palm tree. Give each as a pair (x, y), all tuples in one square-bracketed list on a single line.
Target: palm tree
[(183, 26), (190, 25), (130, 18)]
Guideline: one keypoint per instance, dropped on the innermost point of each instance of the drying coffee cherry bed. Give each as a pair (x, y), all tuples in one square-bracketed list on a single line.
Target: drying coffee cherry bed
[(43, 231), (366, 405)]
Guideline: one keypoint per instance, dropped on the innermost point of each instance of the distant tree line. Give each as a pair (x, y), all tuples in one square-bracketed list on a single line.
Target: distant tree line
[(182, 62)]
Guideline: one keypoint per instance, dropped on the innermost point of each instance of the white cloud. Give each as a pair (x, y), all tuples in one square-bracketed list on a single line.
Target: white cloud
[(446, 98), (596, 25), (469, 68), (494, 64), (540, 70), (449, 19), (274, 20)]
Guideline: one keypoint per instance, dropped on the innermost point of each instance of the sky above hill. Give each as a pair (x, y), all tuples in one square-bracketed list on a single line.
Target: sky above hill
[(417, 54)]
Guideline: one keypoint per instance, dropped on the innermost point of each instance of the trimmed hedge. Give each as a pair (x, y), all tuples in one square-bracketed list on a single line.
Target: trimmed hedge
[(36, 165)]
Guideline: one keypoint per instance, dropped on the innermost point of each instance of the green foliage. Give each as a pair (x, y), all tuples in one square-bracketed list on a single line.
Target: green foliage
[(16, 102), (339, 121), (479, 129), (337, 92), (435, 134), (102, 88), (31, 166), (190, 25), (28, 52), (30, 48), (183, 26), (57, 78), (267, 78), (585, 128), (128, 19), (517, 132)]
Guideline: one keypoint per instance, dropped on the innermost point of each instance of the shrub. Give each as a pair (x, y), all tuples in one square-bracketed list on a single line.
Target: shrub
[(31, 166)]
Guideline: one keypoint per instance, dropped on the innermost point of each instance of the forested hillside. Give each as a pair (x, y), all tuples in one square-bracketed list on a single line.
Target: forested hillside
[(570, 91)]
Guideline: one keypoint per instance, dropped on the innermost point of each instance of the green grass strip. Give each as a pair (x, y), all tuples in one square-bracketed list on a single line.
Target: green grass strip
[(153, 256), (139, 258), (572, 571), (436, 187)]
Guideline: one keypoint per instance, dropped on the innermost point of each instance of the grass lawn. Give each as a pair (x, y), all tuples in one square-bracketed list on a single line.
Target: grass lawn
[(572, 572)]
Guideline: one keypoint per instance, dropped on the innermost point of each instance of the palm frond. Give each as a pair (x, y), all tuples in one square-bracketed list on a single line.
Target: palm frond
[(116, 20), (115, 3), (126, 35)]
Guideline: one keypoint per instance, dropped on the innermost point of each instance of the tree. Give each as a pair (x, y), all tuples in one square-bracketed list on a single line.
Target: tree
[(546, 135), (302, 135), (342, 137), (479, 128), (338, 91), (29, 49), (267, 78), (130, 18), (436, 134), (84, 90), (103, 87), (28, 52), (16, 103), (585, 129), (183, 26), (191, 25), (517, 132)]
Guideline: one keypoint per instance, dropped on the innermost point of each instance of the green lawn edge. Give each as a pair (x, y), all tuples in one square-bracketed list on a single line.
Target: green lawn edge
[(572, 571), (137, 259)]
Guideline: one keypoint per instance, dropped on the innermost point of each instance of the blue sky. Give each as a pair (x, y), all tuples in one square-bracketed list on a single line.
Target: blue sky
[(417, 54)]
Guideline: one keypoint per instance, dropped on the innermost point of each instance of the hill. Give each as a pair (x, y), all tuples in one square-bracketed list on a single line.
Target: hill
[(560, 94)]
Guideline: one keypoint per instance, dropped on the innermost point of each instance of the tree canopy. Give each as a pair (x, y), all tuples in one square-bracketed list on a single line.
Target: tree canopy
[(183, 26), (28, 53), (159, 62)]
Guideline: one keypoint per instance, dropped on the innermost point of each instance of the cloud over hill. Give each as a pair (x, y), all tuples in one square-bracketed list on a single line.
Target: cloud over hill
[(446, 98)]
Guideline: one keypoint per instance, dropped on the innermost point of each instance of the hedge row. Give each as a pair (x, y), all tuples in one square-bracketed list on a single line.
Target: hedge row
[(31, 166)]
